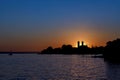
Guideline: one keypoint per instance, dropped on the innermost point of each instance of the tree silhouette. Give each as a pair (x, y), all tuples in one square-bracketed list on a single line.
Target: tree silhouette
[(112, 49)]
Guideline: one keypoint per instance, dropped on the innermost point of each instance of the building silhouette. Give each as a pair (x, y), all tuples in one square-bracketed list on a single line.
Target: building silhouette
[(82, 43), (78, 44)]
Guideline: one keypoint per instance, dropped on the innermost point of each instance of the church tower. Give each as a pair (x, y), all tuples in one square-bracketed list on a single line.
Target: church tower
[(78, 44), (82, 43)]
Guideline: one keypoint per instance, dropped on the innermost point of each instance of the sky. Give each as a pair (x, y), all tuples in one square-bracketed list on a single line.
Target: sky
[(32, 25)]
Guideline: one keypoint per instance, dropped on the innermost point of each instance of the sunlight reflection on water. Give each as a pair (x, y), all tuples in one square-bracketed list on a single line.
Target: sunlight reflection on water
[(53, 67)]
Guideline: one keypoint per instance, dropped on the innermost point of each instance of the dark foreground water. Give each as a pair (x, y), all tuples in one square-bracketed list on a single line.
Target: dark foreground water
[(56, 67)]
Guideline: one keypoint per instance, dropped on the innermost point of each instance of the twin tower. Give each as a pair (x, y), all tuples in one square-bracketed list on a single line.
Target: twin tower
[(78, 43)]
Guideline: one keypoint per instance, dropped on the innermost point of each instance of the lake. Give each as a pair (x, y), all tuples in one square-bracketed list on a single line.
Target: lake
[(56, 67)]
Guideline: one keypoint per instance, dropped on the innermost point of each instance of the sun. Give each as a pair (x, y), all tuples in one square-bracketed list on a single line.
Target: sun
[(80, 43), (84, 43)]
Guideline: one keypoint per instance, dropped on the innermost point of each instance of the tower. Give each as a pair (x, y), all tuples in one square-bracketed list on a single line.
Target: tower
[(78, 44), (82, 43)]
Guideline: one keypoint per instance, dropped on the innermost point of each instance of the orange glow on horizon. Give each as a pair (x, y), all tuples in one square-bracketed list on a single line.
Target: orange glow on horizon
[(56, 38), (86, 33)]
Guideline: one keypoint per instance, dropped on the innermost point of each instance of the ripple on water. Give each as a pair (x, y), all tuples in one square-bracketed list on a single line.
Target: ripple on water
[(51, 67)]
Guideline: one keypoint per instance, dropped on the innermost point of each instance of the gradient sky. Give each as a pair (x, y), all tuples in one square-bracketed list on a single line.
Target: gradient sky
[(32, 25)]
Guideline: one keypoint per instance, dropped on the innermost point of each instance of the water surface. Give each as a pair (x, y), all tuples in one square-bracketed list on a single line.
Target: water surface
[(56, 67)]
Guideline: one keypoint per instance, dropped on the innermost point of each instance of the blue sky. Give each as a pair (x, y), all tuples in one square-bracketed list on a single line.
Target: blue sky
[(40, 20)]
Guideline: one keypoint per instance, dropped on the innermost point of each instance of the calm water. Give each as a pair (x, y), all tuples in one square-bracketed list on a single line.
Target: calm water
[(56, 67)]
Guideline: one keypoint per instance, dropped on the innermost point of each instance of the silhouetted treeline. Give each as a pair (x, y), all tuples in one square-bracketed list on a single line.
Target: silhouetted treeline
[(110, 51), (68, 49), (65, 49)]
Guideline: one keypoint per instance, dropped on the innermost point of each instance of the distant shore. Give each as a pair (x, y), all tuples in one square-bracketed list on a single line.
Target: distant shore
[(19, 52)]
